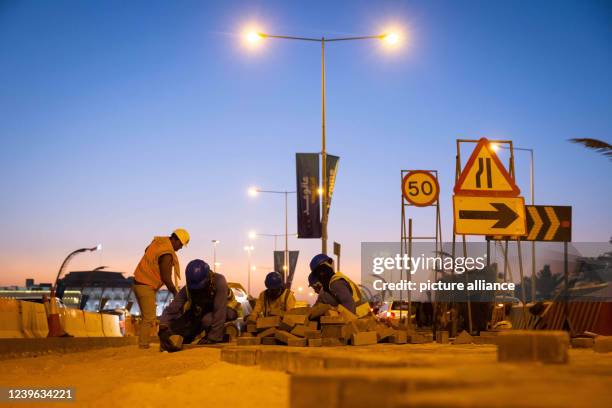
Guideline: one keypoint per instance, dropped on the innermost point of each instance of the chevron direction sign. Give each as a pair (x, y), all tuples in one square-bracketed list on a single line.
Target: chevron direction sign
[(551, 223)]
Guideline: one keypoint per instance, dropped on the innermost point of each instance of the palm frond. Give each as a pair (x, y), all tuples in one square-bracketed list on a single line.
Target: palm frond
[(597, 145)]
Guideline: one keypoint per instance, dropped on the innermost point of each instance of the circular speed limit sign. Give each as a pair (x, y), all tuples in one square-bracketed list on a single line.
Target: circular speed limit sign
[(420, 188)]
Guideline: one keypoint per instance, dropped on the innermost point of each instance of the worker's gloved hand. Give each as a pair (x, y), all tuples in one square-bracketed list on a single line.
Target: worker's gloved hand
[(206, 340), (166, 343)]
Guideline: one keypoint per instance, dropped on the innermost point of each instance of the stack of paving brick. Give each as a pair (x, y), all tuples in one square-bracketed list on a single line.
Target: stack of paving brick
[(335, 328)]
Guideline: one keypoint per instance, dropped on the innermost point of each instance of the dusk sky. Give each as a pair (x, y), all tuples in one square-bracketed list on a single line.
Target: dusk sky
[(124, 120)]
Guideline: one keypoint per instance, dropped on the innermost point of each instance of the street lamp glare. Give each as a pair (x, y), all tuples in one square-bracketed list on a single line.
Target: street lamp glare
[(391, 38), (254, 37), (252, 234), (253, 191), (494, 146), (99, 247)]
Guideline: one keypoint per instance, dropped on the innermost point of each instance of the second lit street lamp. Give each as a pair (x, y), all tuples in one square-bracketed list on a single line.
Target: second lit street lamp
[(254, 37)]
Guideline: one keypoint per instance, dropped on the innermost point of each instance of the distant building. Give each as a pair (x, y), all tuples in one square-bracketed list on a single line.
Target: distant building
[(87, 290)]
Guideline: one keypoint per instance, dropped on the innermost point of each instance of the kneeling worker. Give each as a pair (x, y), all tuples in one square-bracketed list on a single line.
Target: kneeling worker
[(200, 305), (153, 271), (322, 295), (275, 300), (342, 290)]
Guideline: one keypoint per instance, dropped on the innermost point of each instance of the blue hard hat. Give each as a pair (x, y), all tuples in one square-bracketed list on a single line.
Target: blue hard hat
[(196, 274), (320, 259), (312, 279), (274, 280)]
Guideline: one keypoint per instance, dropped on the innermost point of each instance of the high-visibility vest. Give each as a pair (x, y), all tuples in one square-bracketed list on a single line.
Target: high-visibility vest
[(277, 306), (362, 307), (147, 271), (232, 303)]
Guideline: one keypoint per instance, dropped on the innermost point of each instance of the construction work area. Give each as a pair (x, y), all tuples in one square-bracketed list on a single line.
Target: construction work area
[(386, 375)]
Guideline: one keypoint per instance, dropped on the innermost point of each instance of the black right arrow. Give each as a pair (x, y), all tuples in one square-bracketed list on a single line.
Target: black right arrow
[(504, 215)]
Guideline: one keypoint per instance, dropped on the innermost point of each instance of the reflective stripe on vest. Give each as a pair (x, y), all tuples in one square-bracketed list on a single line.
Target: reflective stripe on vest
[(147, 271), (362, 307)]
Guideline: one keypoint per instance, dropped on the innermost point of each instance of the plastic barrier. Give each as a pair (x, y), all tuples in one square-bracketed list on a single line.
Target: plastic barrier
[(93, 324), (73, 322), (110, 325), (33, 320), (10, 319)]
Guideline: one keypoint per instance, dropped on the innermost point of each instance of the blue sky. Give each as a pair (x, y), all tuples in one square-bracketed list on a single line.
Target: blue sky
[(123, 120)]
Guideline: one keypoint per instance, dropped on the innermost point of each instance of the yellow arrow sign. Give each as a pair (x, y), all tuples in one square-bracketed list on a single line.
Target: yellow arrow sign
[(537, 223), (489, 215)]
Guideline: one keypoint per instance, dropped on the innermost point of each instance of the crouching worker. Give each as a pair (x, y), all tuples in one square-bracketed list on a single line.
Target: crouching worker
[(341, 290), (322, 296), (199, 306), (275, 300)]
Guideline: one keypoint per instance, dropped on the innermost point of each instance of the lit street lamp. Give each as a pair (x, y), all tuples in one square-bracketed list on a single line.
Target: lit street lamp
[(391, 39), (253, 191)]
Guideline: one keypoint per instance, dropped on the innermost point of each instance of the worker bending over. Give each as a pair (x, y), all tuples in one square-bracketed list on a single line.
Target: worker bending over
[(153, 271), (275, 300), (323, 296), (199, 306), (342, 290)]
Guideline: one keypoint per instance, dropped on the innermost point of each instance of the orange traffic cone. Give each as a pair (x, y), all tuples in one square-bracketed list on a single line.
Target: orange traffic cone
[(53, 319)]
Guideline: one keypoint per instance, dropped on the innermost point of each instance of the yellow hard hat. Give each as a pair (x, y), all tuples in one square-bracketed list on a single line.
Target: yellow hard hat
[(182, 235)]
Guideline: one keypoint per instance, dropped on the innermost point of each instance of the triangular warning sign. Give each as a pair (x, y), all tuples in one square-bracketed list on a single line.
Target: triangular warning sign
[(485, 175)]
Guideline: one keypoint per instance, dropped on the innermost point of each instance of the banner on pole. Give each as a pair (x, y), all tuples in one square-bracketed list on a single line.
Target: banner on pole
[(308, 204), (332, 170), (279, 262)]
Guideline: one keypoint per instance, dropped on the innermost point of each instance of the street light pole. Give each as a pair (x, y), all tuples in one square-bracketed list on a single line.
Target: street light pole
[(215, 242), (392, 39), (248, 249), (63, 266), (532, 190), (254, 191)]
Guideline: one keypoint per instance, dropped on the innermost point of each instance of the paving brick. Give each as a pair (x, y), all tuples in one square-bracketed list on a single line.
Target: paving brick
[(319, 310), (299, 311), (346, 314), (603, 344), (284, 336), (267, 333), (299, 330), (312, 334), (384, 332), (463, 338), (267, 322), (248, 341), (313, 325), (582, 342), (399, 337), (531, 345), (285, 327), (364, 338), (442, 337), (251, 327), (315, 342), (332, 342), (293, 320), (417, 338), (336, 330), (269, 341), (297, 342), (273, 359), (332, 320)]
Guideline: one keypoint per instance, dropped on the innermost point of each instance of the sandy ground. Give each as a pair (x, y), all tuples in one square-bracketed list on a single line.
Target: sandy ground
[(129, 377)]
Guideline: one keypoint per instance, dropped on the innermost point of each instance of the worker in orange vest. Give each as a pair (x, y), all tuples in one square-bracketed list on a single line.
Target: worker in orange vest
[(153, 271)]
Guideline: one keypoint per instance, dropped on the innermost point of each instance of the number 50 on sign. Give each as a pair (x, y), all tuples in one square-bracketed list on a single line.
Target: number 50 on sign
[(420, 188)]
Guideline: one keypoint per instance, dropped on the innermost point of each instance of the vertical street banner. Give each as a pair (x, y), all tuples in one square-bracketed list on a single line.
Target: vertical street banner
[(308, 204), (332, 170), (279, 262)]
